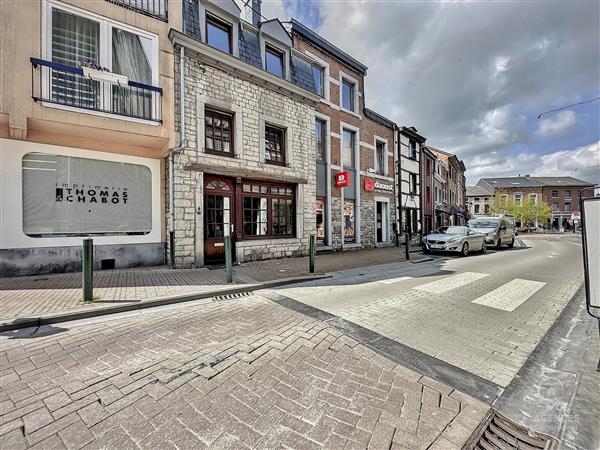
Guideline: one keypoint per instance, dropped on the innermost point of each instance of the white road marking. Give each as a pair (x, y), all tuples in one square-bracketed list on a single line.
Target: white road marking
[(447, 284), (393, 280), (511, 295)]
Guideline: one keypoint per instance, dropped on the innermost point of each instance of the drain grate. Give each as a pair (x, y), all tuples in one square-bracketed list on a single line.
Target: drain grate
[(503, 434), (222, 298)]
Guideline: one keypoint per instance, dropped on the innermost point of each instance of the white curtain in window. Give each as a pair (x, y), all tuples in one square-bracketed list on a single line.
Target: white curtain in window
[(129, 58), (75, 39)]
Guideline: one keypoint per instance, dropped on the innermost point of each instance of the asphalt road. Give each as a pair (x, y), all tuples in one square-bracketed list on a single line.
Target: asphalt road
[(483, 314)]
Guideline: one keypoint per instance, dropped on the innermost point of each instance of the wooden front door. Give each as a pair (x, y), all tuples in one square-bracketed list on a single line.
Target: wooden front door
[(218, 217)]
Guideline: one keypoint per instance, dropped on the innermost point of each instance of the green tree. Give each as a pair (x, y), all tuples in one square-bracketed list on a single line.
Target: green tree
[(543, 212)]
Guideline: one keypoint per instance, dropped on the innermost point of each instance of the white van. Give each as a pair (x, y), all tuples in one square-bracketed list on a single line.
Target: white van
[(499, 230)]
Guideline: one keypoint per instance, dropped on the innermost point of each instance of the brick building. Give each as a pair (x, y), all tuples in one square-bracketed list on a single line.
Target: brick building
[(452, 170), (353, 139), (428, 160), (560, 193)]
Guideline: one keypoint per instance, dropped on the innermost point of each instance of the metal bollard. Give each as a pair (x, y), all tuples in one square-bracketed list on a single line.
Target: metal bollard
[(407, 245), (87, 270), (312, 249), (228, 260)]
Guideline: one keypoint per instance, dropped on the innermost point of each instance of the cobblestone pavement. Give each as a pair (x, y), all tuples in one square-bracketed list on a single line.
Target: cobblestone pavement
[(484, 313), (43, 294), (36, 295), (232, 374)]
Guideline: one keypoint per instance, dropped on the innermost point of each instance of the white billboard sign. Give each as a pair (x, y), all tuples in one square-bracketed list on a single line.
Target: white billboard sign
[(71, 196), (591, 252)]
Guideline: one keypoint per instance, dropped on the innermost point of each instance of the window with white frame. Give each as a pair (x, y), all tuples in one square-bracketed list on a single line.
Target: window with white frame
[(218, 33), (75, 38), (412, 183), (380, 157), (518, 199), (533, 198), (348, 146), (319, 79), (348, 92)]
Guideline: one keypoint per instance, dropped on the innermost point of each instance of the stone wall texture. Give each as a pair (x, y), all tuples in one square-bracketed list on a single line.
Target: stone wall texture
[(253, 105)]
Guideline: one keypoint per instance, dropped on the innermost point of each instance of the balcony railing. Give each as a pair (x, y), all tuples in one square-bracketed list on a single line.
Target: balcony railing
[(66, 85), (153, 8)]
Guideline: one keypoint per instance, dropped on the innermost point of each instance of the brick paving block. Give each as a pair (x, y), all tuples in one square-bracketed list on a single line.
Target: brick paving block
[(443, 444), (450, 404), (51, 443), (57, 401), (369, 419), (436, 385), (76, 435), (295, 440), (13, 440), (93, 413), (430, 397), (10, 426), (52, 428), (457, 434), (382, 436), (37, 419), (147, 407)]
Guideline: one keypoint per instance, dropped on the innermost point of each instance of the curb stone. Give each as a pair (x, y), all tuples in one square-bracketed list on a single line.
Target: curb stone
[(47, 319)]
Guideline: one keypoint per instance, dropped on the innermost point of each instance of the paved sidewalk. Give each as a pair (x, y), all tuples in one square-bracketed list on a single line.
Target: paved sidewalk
[(232, 374), (32, 296)]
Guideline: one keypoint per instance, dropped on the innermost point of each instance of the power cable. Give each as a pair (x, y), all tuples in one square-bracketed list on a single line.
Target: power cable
[(569, 106)]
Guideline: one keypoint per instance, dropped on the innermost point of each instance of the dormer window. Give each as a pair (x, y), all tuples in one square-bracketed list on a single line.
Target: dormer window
[(274, 61), (218, 34)]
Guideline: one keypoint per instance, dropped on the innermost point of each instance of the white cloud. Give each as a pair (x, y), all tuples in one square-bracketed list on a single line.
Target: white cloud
[(562, 122), (581, 162)]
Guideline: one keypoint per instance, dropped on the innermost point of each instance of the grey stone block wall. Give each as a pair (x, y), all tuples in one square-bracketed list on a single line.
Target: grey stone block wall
[(252, 105)]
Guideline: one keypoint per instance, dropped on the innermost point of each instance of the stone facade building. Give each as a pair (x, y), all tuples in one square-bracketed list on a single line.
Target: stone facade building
[(246, 163), (479, 201), (352, 140)]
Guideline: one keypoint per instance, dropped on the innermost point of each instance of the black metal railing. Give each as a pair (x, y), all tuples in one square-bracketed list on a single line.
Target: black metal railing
[(153, 8), (66, 85)]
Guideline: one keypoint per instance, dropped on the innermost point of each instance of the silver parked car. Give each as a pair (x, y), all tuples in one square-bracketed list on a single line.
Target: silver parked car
[(498, 230), (454, 239)]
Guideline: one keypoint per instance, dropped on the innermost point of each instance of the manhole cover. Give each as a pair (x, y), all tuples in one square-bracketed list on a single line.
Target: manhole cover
[(500, 433)]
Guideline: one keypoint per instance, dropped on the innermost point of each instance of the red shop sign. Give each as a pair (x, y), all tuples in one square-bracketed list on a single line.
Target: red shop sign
[(369, 184), (342, 179)]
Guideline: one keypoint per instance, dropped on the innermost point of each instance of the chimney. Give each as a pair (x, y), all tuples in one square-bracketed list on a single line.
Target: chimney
[(253, 12)]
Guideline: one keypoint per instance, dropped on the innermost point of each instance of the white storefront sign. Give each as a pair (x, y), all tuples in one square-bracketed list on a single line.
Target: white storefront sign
[(52, 196)]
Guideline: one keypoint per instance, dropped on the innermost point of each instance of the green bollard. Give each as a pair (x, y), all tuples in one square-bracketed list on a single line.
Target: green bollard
[(311, 253), (87, 270), (228, 260)]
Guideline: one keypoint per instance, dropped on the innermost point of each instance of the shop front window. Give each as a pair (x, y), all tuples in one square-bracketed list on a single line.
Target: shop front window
[(349, 222), (320, 213), (255, 216), (268, 210)]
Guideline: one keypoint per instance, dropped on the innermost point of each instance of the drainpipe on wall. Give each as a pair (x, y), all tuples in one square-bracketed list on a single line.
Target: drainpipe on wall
[(399, 187), (180, 146)]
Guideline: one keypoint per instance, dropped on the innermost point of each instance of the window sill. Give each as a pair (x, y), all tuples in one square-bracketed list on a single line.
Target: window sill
[(218, 153), (351, 246), (349, 111)]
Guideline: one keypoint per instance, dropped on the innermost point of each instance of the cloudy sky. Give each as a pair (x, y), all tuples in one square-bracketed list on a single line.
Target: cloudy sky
[(473, 76)]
